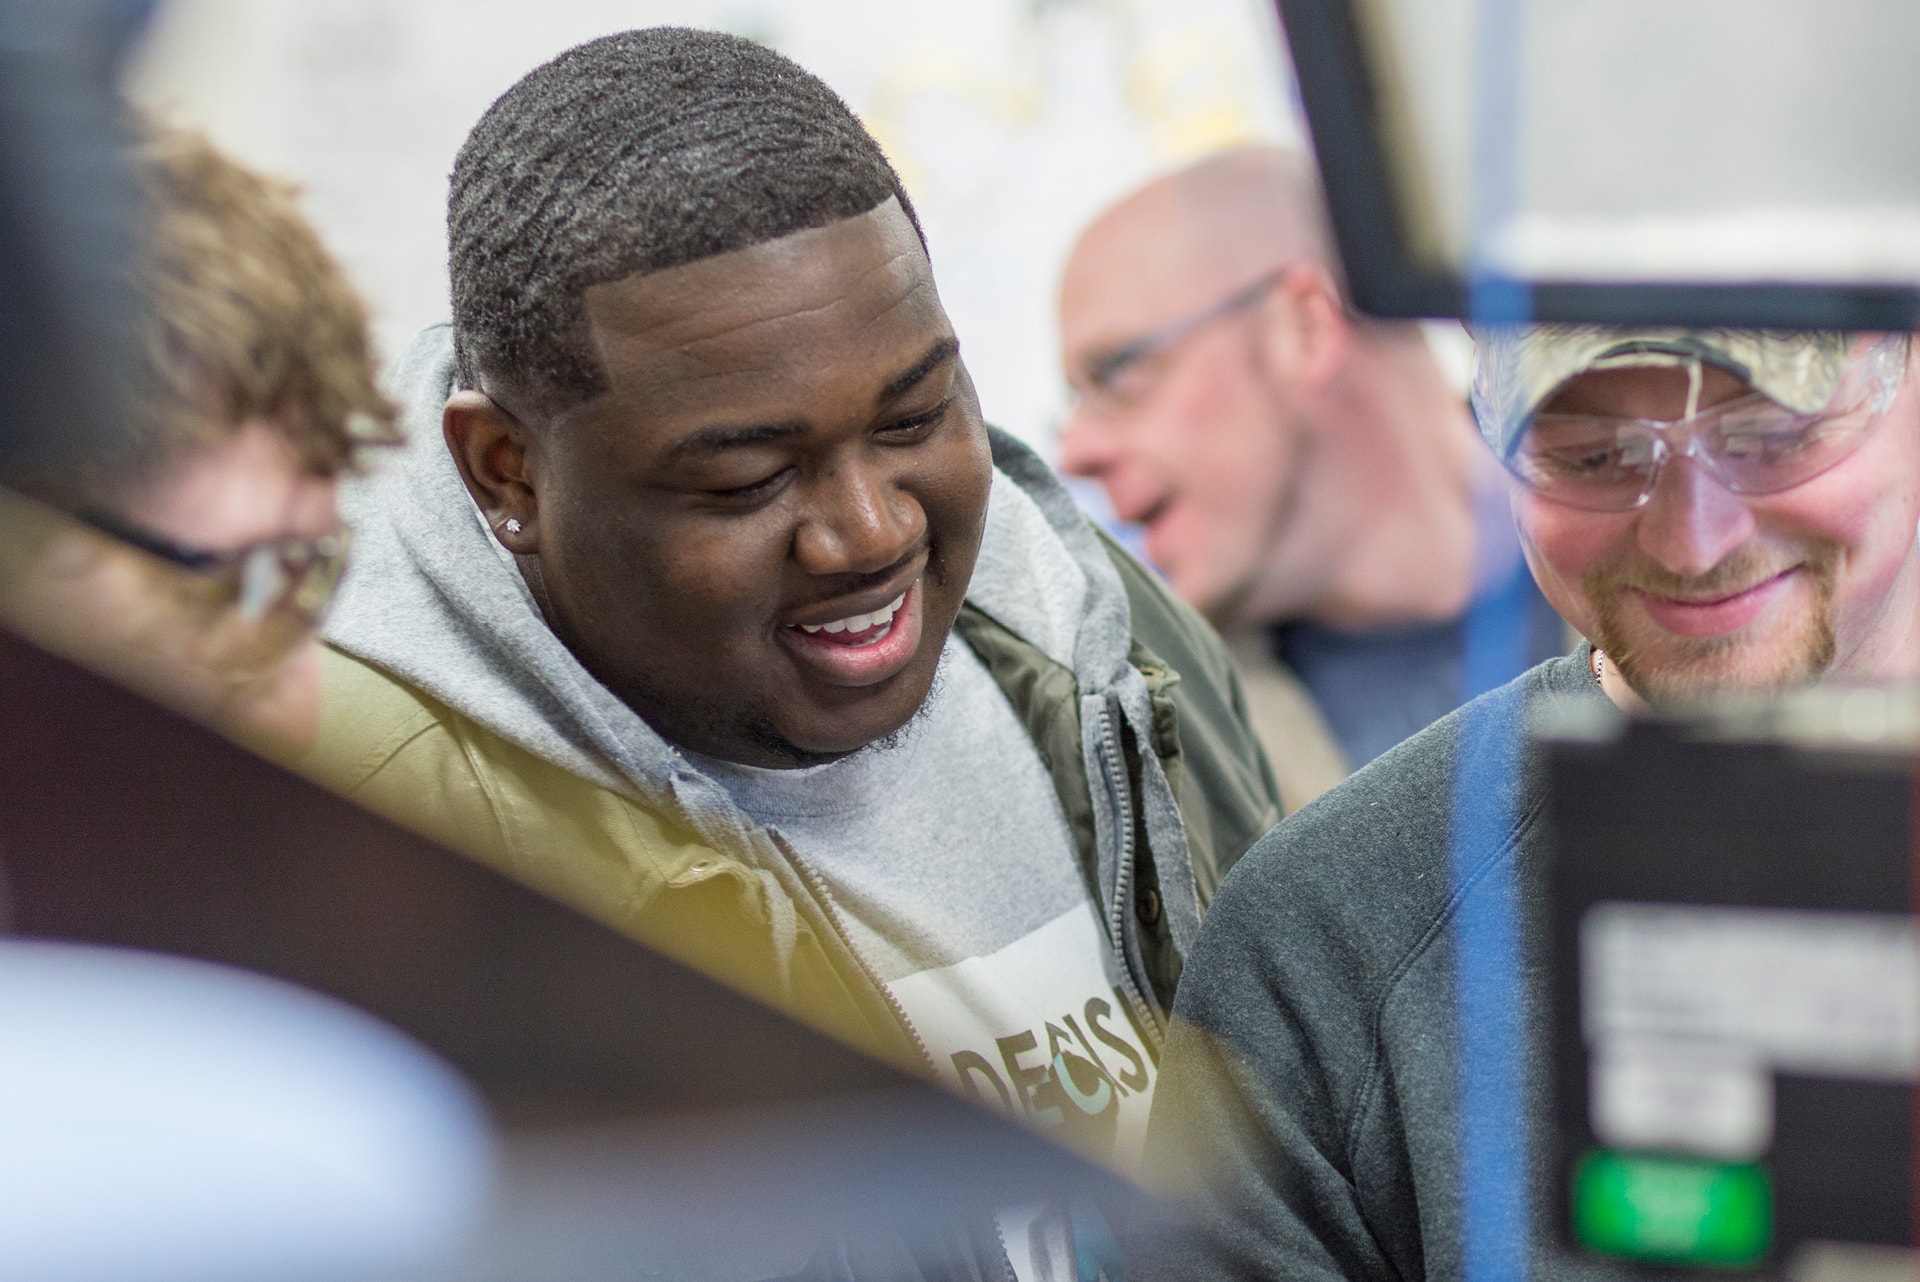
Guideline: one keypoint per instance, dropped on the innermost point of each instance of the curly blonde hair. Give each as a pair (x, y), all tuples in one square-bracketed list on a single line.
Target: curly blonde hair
[(246, 316)]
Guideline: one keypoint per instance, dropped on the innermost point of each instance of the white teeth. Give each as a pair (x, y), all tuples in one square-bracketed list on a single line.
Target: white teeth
[(859, 622)]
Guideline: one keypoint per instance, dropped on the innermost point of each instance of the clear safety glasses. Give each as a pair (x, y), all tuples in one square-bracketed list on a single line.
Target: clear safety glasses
[(1750, 445)]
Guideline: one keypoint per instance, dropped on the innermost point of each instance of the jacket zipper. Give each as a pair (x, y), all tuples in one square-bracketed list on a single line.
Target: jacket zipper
[(818, 886), (1116, 768), (1006, 1257)]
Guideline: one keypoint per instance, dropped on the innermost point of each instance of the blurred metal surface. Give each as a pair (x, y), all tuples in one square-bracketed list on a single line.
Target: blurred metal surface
[(1741, 163)]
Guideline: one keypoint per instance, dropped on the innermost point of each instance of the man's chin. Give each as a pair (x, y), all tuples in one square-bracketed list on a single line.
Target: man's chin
[(1762, 629), (821, 741), (1223, 602), (1668, 671)]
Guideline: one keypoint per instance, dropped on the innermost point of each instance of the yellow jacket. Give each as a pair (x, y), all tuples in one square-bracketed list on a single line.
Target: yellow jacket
[(737, 915)]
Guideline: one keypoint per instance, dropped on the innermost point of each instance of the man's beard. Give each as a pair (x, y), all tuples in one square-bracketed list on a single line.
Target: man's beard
[(1684, 669)]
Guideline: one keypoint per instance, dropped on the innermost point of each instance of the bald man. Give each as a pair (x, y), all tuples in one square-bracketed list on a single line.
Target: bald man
[(1306, 477)]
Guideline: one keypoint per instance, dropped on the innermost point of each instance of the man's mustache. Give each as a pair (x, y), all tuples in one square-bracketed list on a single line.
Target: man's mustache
[(1743, 569)]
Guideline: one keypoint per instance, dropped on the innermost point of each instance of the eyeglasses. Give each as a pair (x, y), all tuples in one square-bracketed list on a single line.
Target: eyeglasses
[(295, 575), (1750, 445), (1102, 380)]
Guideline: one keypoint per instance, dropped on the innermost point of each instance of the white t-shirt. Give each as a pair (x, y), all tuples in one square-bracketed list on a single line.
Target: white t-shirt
[(951, 863)]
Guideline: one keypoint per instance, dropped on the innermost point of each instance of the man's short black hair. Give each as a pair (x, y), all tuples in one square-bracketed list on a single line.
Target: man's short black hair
[(635, 152)]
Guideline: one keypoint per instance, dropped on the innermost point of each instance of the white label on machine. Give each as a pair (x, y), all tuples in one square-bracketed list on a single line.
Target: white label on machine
[(1824, 994), (1697, 1098)]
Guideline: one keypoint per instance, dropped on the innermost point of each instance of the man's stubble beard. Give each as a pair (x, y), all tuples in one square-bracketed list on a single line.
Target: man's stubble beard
[(1690, 669)]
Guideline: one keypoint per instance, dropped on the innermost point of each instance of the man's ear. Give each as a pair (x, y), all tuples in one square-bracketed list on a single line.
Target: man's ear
[(492, 450), (1305, 333)]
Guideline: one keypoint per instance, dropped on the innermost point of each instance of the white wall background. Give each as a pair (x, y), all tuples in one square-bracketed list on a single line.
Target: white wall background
[(1012, 122)]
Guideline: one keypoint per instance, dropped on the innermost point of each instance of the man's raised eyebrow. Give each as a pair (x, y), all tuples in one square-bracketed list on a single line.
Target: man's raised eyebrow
[(711, 440), (937, 355)]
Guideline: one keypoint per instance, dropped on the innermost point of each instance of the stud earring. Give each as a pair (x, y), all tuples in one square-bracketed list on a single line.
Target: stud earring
[(513, 525)]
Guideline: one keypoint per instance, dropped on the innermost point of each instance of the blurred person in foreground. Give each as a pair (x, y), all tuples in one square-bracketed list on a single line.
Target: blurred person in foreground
[(705, 601), (1306, 477), (194, 565), (1716, 511)]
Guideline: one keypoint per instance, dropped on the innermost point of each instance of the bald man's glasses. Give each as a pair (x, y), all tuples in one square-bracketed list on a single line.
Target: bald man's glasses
[(1106, 375)]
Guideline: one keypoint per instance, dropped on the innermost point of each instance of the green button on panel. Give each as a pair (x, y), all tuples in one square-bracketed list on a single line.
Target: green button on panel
[(1672, 1209)]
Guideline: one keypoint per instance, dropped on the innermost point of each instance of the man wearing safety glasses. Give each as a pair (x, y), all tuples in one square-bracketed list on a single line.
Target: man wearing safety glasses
[(1715, 511), (196, 565), (1717, 508)]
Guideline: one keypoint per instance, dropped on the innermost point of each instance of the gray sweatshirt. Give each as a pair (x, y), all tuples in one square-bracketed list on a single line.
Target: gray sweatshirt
[(1312, 1078)]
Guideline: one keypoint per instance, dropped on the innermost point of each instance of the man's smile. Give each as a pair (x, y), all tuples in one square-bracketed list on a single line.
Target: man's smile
[(863, 637), (1717, 614), (857, 629), (863, 648)]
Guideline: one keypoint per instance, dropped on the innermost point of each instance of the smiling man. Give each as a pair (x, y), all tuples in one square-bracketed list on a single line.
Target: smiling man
[(705, 601), (1717, 511), (1740, 573)]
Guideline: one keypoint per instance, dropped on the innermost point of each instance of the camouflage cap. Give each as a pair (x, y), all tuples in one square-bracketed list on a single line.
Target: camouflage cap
[(1516, 368)]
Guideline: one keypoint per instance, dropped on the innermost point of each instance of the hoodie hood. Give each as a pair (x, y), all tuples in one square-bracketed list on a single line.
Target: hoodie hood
[(435, 600)]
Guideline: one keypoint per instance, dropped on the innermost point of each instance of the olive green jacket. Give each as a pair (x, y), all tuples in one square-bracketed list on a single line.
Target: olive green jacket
[(412, 758), (450, 706)]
